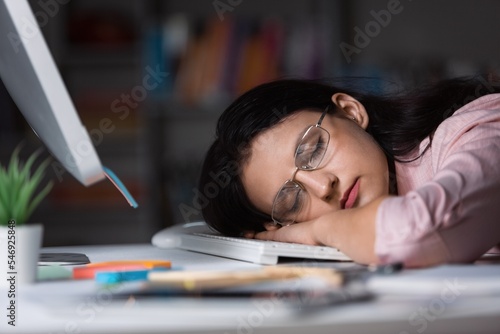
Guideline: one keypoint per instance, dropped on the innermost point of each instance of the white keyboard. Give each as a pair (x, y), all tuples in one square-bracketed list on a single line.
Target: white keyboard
[(198, 237)]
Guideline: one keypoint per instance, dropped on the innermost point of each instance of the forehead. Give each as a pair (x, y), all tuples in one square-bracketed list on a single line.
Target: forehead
[(271, 160)]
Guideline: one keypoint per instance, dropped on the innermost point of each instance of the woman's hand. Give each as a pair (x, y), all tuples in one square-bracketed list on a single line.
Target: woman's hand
[(352, 231), (301, 233)]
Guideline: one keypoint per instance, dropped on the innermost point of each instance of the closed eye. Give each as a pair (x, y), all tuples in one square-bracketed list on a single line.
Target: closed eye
[(318, 150), (289, 201), (297, 203)]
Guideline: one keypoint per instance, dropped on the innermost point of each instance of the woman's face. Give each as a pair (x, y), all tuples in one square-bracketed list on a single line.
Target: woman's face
[(352, 173)]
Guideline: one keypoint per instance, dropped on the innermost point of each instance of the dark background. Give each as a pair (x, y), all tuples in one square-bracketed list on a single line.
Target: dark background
[(213, 51)]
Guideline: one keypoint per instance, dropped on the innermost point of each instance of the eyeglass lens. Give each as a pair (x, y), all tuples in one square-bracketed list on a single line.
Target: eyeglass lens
[(308, 156)]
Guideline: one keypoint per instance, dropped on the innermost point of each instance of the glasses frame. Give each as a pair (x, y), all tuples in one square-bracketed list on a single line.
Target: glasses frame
[(291, 181)]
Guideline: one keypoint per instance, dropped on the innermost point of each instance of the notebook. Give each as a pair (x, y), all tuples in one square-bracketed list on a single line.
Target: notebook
[(199, 237)]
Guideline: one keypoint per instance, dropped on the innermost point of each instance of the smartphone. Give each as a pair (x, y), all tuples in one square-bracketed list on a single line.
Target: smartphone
[(62, 259)]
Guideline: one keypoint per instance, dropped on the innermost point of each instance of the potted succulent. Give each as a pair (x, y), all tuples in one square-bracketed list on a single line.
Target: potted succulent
[(20, 194)]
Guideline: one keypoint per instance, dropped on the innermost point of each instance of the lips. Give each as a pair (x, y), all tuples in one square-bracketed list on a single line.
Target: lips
[(350, 196)]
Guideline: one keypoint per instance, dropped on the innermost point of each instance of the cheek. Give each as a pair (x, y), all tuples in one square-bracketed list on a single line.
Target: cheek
[(316, 209), (362, 157), (374, 171), (363, 150)]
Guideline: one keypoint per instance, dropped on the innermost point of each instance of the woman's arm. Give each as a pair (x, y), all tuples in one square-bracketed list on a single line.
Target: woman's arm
[(453, 217), (352, 231)]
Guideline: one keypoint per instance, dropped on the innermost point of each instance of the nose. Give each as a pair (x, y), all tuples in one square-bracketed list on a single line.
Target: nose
[(318, 183)]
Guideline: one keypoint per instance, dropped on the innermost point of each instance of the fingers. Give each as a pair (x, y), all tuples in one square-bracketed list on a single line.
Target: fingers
[(249, 234), (296, 233), (265, 235), (271, 226)]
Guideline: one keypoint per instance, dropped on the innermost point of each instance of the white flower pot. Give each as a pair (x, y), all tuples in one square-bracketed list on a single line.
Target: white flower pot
[(19, 252)]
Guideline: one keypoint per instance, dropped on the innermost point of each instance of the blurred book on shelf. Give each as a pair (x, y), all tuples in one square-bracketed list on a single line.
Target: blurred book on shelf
[(108, 113), (210, 61)]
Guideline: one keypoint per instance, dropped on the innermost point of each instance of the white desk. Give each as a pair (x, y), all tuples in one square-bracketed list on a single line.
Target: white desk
[(83, 307)]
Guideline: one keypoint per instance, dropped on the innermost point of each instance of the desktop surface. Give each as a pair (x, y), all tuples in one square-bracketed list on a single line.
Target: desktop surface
[(84, 307)]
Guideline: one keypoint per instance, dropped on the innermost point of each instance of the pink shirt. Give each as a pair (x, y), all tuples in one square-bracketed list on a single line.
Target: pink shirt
[(448, 208)]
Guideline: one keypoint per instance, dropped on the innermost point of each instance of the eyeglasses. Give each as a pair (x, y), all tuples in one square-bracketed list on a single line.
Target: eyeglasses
[(310, 151)]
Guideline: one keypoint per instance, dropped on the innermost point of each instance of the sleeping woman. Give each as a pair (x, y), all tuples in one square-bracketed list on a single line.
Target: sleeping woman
[(412, 178)]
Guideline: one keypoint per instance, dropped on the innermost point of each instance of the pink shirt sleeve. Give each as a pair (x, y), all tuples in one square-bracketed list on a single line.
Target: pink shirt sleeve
[(455, 216)]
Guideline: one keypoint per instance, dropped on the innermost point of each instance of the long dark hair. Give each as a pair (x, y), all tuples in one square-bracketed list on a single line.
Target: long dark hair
[(398, 123)]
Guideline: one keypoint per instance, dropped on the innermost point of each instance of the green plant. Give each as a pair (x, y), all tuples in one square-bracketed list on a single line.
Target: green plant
[(18, 188)]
